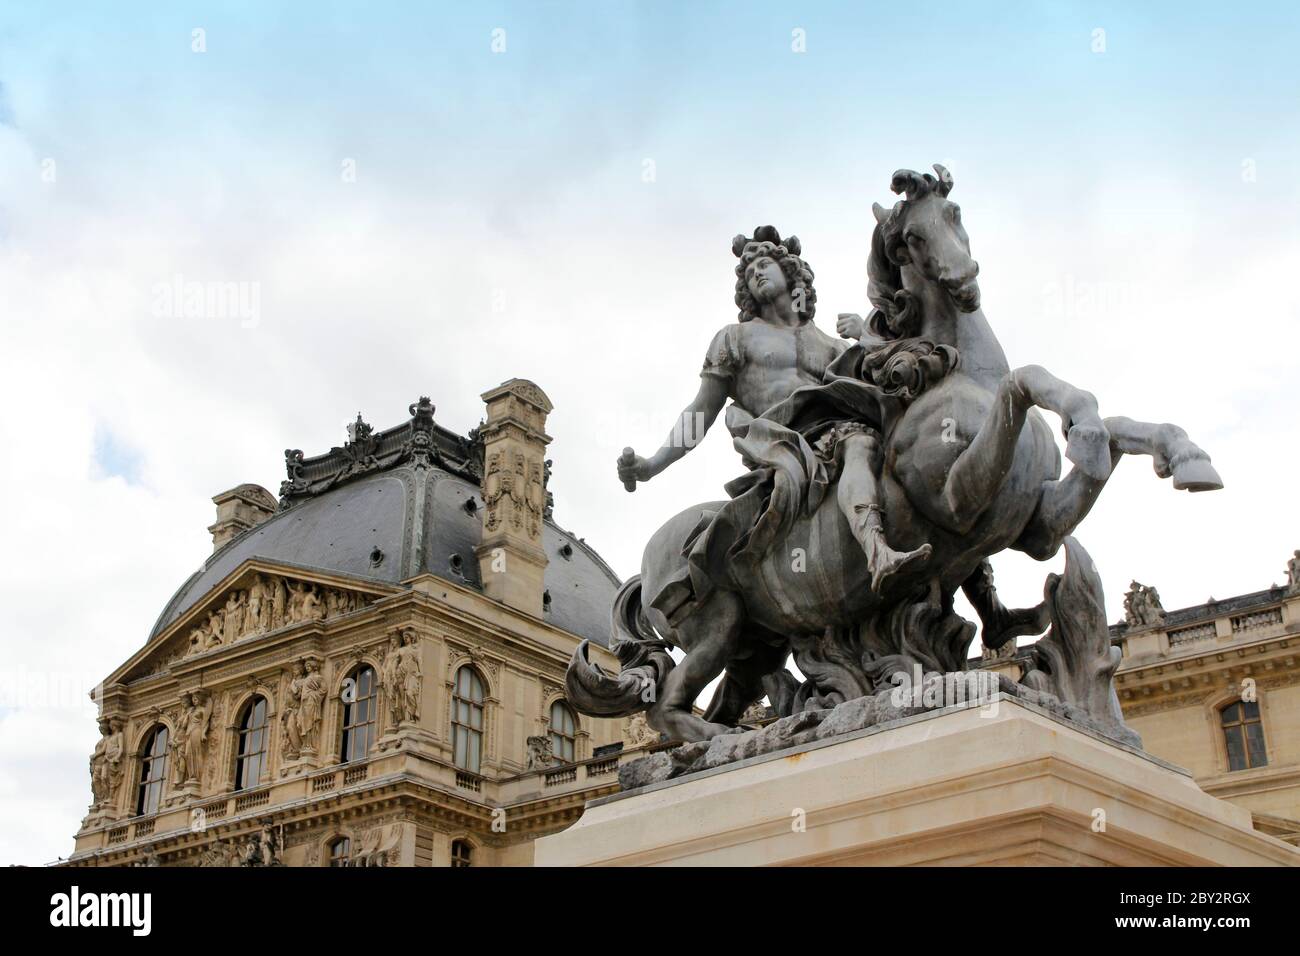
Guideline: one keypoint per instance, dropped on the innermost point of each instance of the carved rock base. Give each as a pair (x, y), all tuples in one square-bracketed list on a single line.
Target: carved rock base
[(934, 692), (1016, 787)]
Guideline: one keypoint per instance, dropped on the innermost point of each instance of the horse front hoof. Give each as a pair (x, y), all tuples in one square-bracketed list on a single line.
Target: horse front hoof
[(1196, 474), (1088, 446)]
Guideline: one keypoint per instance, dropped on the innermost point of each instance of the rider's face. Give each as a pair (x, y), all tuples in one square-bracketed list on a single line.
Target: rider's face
[(765, 279)]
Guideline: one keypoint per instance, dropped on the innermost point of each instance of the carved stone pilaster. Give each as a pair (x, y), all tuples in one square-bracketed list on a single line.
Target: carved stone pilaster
[(512, 561)]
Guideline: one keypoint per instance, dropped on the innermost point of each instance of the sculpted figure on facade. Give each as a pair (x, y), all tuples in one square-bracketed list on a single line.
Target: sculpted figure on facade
[(1142, 606), (911, 455), (191, 739), (215, 627), (311, 695), (540, 752), (410, 676), (106, 763), (312, 608), (1293, 573), (261, 848), (637, 732), (253, 614), (289, 713), (219, 853), (279, 603), (390, 681), (234, 616)]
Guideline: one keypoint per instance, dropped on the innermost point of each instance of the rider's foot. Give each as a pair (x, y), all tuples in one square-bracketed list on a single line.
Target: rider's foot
[(884, 562)]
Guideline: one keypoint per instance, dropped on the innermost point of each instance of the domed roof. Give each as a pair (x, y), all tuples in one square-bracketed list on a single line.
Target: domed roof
[(389, 506)]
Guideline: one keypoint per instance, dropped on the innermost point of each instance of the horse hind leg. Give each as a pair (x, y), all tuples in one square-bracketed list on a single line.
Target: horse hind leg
[(711, 637)]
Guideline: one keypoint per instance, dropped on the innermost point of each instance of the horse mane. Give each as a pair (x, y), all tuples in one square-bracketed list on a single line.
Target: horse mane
[(897, 313)]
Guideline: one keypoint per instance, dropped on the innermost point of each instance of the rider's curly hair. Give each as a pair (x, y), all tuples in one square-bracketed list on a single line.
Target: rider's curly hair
[(767, 241)]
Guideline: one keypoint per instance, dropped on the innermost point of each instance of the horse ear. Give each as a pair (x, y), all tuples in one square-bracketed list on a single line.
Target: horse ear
[(945, 180), (879, 211)]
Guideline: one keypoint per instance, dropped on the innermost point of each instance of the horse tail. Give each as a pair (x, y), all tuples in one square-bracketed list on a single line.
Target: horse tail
[(642, 654)]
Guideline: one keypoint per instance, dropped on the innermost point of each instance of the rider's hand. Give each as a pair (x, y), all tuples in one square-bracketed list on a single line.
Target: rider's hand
[(850, 325), (632, 468)]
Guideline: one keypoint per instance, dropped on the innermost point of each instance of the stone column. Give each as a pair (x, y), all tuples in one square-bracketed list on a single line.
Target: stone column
[(511, 560)]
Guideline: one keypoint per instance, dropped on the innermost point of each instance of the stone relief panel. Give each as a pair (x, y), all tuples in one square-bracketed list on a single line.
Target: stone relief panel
[(270, 602)]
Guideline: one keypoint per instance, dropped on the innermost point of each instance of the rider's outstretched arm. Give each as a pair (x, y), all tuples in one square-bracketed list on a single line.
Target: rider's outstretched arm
[(694, 421)]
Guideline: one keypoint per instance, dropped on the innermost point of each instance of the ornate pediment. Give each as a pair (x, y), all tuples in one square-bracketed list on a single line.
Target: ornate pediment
[(257, 600)]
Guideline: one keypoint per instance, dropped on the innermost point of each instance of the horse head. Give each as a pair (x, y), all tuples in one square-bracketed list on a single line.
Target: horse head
[(922, 235)]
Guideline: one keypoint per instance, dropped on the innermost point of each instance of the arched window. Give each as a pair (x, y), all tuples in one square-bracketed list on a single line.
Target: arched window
[(564, 732), (358, 714), (250, 755), (467, 719), (1244, 735), (341, 852), (153, 772), (462, 853)]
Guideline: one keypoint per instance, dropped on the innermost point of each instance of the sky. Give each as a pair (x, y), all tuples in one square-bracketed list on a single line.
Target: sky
[(384, 201)]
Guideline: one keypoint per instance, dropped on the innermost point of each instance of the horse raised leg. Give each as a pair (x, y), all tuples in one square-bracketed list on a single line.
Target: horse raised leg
[(979, 471), (1066, 502)]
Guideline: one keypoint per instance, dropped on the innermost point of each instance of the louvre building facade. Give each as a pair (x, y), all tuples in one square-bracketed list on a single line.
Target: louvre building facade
[(370, 669)]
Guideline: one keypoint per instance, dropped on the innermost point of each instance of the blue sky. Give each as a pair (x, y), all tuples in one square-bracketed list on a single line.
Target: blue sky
[(1134, 211)]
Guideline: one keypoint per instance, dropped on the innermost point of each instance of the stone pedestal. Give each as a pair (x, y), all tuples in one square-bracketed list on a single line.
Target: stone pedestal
[(968, 786)]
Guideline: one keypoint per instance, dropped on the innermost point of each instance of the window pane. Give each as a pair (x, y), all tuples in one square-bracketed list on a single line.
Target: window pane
[(1255, 744), (1250, 710), (1231, 713), (1236, 748)]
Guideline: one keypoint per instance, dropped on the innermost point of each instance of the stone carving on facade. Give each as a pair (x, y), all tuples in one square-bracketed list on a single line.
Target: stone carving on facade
[(419, 441), (378, 846), (260, 849), (897, 407), (637, 732), (390, 682), (107, 762), (410, 676), (402, 677), (295, 483), (270, 602), (514, 492), (540, 753), (1142, 606), (220, 852), (1293, 574), (190, 741), (303, 705), (549, 511)]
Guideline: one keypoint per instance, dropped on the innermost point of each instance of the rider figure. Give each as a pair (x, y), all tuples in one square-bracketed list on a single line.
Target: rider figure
[(759, 363)]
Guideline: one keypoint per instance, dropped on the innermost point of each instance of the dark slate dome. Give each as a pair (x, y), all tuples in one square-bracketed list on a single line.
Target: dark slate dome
[(388, 506)]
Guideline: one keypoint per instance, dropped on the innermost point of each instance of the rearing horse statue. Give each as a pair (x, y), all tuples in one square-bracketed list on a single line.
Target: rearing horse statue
[(970, 468)]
